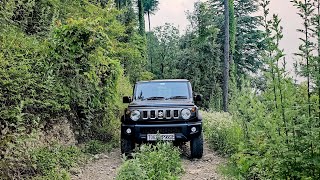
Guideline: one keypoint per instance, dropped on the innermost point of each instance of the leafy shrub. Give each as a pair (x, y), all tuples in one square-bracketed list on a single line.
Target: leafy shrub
[(55, 174), (279, 140), (161, 161), (132, 170), (222, 132), (50, 160), (96, 147), (62, 60)]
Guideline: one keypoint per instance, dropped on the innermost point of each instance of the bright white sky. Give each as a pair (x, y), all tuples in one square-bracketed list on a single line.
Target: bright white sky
[(174, 11)]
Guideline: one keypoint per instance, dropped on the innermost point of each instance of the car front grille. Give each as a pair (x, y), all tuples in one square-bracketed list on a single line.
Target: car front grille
[(161, 130), (161, 114)]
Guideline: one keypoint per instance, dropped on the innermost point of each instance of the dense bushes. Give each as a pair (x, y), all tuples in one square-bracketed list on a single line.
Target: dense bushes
[(261, 143), (62, 60), (153, 162), (221, 132), (54, 162)]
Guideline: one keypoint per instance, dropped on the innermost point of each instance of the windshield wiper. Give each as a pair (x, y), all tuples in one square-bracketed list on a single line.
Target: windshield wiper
[(178, 97), (154, 98)]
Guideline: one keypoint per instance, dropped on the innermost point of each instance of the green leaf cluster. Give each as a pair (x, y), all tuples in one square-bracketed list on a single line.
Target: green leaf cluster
[(64, 60), (55, 161), (160, 161)]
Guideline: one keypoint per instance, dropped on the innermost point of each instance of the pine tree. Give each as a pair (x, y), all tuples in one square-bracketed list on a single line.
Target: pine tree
[(150, 6), (305, 12), (249, 44)]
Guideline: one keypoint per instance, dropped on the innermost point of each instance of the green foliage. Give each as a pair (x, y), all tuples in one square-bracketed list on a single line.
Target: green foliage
[(279, 132), (96, 147), (162, 51), (194, 56), (55, 174), (150, 6), (222, 133), (32, 17), (161, 161), (63, 60), (141, 17), (197, 54), (50, 160)]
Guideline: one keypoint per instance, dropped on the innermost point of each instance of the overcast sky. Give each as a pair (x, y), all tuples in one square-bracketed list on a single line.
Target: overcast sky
[(174, 11)]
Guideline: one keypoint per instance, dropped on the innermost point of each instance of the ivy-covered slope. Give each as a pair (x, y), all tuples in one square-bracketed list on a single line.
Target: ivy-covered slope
[(62, 60)]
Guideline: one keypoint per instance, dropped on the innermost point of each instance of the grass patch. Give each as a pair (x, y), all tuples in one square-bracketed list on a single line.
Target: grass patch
[(222, 133), (153, 162), (97, 147), (54, 162)]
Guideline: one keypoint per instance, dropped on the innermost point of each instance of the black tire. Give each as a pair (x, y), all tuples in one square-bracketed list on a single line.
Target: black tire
[(196, 147), (127, 146)]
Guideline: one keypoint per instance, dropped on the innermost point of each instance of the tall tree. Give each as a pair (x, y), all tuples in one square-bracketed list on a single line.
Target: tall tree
[(200, 59), (249, 43), (306, 11), (226, 55), (150, 6), (141, 18), (163, 49), (317, 24)]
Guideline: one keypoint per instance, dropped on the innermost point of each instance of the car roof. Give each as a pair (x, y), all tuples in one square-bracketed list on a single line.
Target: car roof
[(164, 80)]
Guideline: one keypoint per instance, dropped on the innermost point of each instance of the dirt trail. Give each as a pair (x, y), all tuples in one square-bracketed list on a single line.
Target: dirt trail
[(205, 168), (105, 167)]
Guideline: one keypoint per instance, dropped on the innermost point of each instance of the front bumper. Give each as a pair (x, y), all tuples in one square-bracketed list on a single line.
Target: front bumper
[(182, 131)]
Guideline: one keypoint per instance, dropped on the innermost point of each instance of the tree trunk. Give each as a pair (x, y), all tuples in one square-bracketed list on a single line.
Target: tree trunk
[(307, 58), (318, 34), (149, 21), (232, 31), (141, 18), (226, 56)]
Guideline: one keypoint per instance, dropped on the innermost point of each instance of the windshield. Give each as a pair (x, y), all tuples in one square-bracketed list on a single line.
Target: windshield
[(162, 90)]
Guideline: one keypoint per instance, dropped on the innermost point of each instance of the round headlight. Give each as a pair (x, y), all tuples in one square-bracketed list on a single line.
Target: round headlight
[(186, 114), (135, 115)]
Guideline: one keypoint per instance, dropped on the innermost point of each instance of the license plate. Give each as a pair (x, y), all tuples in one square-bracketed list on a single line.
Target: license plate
[(163, 137)]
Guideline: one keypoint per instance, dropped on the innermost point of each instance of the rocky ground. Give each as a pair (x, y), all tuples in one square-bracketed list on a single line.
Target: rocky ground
[(105, 166)]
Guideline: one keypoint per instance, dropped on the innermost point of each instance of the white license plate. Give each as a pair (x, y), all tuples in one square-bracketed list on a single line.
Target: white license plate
[(163, 137)]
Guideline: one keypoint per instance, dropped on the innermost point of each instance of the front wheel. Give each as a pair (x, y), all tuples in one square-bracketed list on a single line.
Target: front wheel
[(196, 147), (127, 146)]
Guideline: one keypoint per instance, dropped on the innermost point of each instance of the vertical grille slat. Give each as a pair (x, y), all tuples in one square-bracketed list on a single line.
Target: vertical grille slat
[(145, 114), (153, 114), (168, 114), (175, 113)]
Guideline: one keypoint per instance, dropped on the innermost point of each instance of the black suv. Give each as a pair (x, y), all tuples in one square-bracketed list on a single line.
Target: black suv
[(162, 110)]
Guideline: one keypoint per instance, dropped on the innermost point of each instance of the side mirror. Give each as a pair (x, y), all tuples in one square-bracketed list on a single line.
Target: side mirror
[(197, 98), (126, 99)]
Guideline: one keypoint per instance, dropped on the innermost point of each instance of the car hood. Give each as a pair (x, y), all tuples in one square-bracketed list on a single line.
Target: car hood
[(162, 103)]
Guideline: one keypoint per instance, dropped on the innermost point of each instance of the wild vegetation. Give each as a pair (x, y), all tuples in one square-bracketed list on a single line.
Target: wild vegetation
[(161, 161), (70, 62), (62, 60), (273, 132)]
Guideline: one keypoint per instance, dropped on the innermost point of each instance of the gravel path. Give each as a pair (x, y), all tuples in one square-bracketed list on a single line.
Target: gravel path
[(205, 168), (105, 166)]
